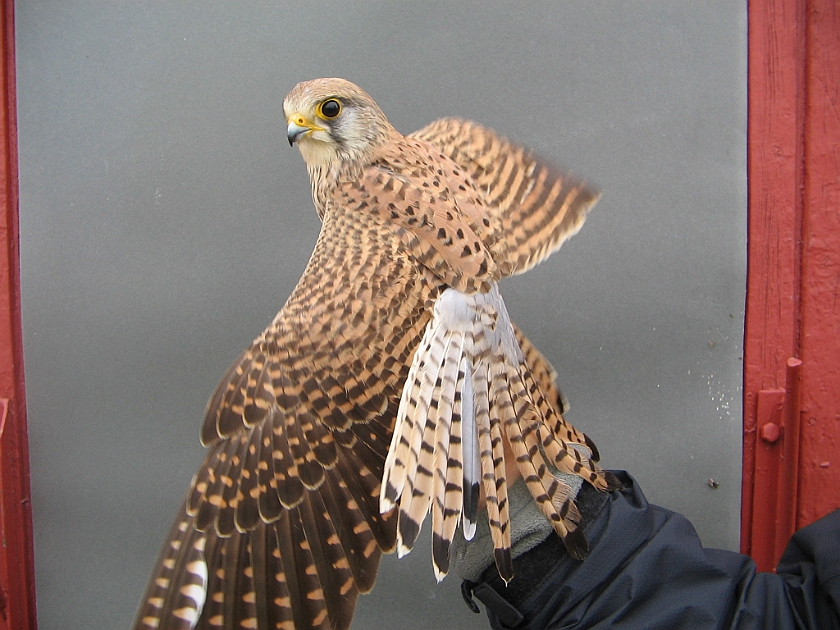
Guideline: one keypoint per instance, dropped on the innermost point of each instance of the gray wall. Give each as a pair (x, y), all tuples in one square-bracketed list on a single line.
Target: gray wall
[(164, 221)]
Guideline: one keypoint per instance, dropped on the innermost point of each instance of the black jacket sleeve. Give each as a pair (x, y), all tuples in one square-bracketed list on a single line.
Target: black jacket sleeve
[(646, 569)]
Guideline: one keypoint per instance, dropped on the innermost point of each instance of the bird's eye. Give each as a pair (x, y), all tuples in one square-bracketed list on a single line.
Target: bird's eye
[(330, 108)]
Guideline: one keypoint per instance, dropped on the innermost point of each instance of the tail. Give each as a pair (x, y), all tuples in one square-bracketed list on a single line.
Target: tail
[(468, 389)]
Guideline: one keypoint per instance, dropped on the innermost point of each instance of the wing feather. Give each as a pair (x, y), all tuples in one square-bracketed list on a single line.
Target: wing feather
[(328, 558), (534, 205), (290, 486), (273, 601), (237, 587), (247, 509), (268, 501), (227, 486), (354, 532), (305, 593), (175, 586)]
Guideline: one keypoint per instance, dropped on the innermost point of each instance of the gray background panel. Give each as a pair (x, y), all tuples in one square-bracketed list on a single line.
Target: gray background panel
[(164, 220)]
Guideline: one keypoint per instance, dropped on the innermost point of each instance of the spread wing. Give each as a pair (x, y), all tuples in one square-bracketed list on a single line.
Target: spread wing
[(539, 204), (282, 527)]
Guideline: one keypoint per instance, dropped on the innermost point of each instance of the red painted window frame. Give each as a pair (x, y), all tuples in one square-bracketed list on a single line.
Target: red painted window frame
[(17, 577), (791, 467), (791, 472)]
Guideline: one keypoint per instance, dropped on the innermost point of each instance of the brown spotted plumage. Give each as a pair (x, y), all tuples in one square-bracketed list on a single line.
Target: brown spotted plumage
[(393, 356)]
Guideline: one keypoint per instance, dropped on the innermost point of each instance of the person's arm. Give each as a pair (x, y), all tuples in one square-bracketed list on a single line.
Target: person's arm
[(647, 569)]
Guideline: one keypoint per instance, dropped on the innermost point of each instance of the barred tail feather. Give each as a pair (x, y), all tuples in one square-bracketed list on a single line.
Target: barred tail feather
[(491, 452), (395, 472), (468, 389), (469, 442), (450, 511), (556, 436), (415, 502), (446, 498)]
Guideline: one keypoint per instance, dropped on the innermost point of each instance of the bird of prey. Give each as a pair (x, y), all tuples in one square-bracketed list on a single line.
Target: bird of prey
[(387, 385)]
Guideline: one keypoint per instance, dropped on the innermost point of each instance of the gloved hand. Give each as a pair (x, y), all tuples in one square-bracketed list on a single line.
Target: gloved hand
[(535, 547), (529, 526)]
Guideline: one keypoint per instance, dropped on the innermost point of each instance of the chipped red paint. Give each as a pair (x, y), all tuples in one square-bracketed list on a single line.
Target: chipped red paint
[(793, 288), (17, 582), (819, 486)]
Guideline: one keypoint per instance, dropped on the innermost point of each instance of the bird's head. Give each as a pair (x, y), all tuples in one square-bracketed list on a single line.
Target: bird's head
[(333, 119)]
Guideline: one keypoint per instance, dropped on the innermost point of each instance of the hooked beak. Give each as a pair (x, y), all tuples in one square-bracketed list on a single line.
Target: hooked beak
[(299, 127)]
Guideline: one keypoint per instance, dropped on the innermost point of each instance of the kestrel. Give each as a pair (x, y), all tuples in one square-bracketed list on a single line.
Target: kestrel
[(387, 384)]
